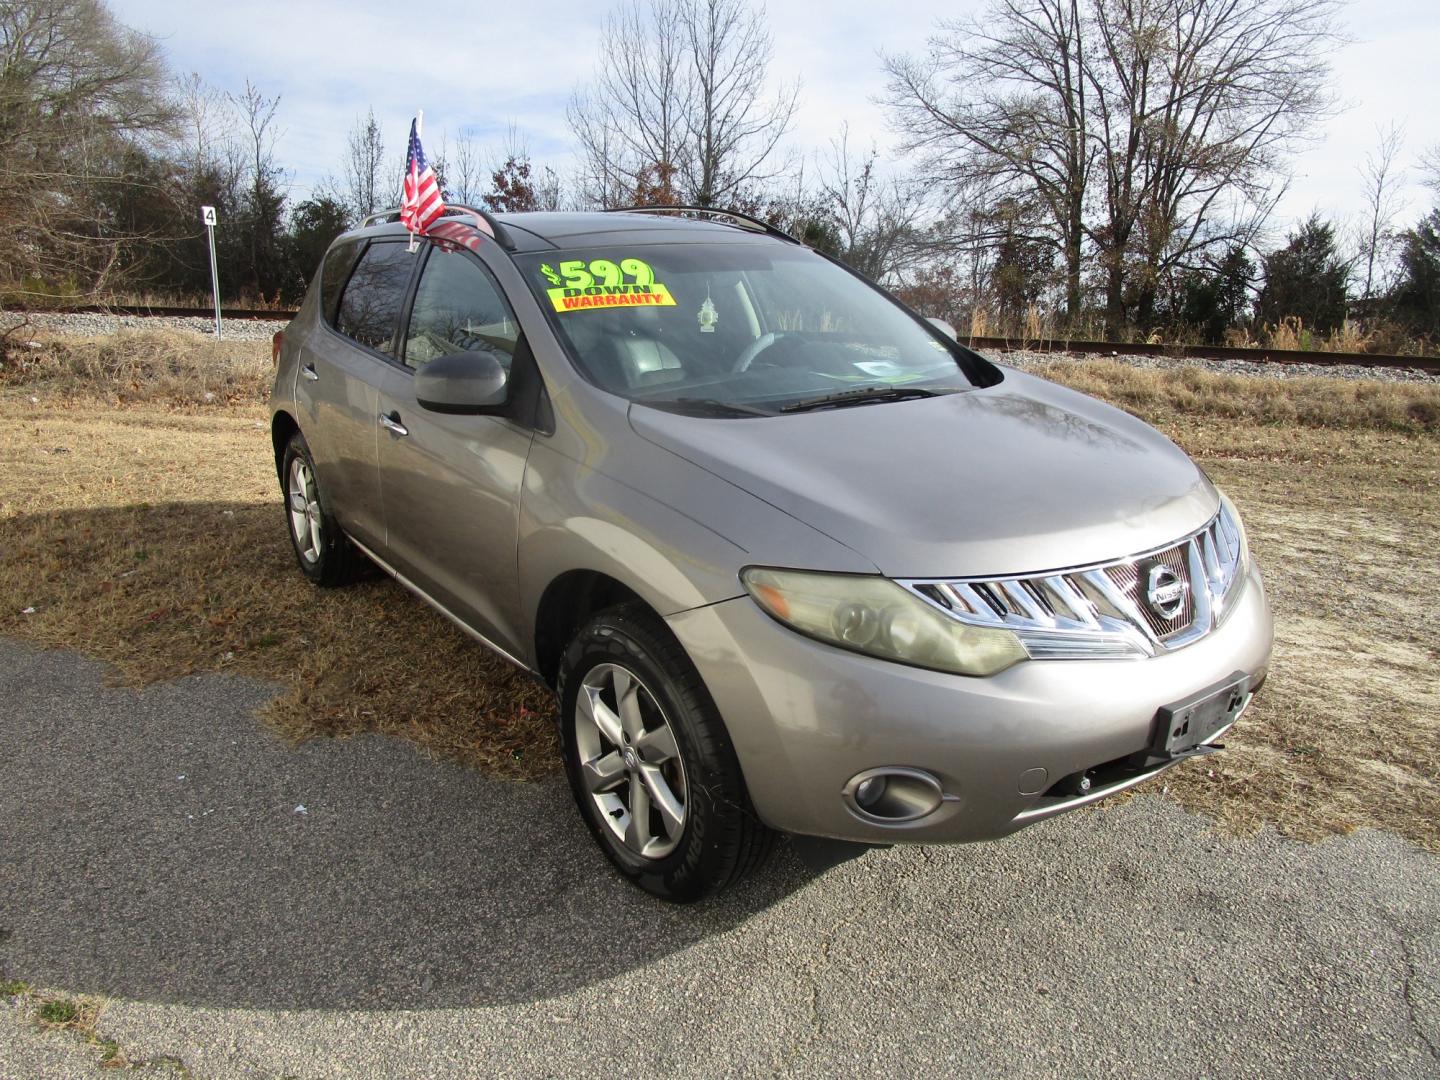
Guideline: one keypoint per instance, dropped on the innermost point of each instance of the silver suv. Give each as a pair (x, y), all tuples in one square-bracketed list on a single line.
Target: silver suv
[(792, 558)]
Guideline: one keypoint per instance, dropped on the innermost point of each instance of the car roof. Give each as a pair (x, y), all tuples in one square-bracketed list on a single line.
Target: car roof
[(548, 230)]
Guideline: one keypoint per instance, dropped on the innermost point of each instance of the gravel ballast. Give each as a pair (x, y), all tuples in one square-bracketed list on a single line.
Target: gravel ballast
[(93, 325), (1026, 360)]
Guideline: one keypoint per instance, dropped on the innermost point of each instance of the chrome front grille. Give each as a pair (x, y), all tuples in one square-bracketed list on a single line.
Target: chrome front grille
[(1108, 609), (1128, 576)]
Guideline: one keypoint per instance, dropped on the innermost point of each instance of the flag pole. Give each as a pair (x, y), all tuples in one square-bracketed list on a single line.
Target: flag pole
[(419, 137)]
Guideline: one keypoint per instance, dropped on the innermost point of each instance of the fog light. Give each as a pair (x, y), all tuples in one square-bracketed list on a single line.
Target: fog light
[(893, 795), (869, 792)]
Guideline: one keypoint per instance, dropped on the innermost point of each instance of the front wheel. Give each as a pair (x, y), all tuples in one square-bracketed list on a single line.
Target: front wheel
[(650, 762)]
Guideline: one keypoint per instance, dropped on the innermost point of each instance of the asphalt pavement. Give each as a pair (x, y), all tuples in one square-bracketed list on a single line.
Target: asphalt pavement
[(355, 909)]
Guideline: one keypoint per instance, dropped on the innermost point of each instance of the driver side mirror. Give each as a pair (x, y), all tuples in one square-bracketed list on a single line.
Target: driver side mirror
[(945, 328), (468, 382)]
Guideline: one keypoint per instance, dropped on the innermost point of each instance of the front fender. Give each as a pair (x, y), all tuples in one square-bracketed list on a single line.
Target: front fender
[(574, 518), (674, 534)]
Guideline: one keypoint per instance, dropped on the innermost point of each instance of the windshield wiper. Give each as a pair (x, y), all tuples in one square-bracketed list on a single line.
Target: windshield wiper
[(706, 406), (864, 396)]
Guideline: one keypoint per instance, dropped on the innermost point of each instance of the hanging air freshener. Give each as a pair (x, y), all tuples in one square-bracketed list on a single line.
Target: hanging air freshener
[(707, 315)]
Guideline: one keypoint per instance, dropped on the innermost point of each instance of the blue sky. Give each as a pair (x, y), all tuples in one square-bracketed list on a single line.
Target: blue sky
[(486, 67)]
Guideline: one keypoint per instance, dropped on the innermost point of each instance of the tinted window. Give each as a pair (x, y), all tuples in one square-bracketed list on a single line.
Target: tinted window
[(370, 308), (458, 309), (332, 277)]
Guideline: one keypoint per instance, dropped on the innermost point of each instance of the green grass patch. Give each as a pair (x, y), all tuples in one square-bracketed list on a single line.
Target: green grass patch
[(59, 1012)]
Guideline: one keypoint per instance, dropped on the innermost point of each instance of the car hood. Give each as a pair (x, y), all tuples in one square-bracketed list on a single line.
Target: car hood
[(1016, 478)]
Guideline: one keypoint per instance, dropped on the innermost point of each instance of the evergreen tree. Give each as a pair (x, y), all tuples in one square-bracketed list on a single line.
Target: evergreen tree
[(1306, 279), (1417, 298), (1216, 299), (314, 223)]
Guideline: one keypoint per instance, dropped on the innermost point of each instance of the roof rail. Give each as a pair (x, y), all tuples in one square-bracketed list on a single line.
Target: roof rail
[(743, 221), (485, 221)]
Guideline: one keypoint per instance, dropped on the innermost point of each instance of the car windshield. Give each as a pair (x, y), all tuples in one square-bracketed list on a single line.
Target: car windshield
[(736, 329)]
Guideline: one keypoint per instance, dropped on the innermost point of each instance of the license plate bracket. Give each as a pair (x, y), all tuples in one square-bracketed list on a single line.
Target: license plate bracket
[(1186, 724)]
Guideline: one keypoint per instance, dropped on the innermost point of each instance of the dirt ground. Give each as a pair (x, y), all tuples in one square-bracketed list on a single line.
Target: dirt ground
[(151, 536), (1346, 526)]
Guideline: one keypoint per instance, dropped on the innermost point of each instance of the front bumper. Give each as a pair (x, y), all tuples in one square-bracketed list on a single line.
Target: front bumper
[(806, 717)]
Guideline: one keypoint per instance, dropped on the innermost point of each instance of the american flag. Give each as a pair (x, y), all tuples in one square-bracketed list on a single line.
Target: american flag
[(421, 203)]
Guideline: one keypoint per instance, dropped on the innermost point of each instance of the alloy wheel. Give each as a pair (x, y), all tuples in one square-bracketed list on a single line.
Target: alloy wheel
[(305, 521), (629, 761)]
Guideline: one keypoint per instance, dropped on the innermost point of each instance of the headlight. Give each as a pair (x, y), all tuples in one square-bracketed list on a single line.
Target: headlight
[(875, 616), (1231, 516)]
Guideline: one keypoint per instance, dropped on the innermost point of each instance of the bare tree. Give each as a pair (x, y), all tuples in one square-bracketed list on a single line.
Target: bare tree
[(678, 109), (205, 132), (1430, 168), (257, 116), (1000, 105), (367, 188), (209, 168), (1197, 103), (1151, 131), (77, 90), (876, 218), (467, 173), (207, 150), (265, 199), (631, 120), (731, 131), (1383, 202), (550, 191)]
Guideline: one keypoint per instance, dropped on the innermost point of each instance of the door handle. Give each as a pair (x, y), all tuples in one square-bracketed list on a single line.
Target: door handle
[(310, 373), (391, 420)]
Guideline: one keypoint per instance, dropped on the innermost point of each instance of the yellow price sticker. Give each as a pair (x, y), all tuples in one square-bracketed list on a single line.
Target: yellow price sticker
[(604, 283), (610, 296)]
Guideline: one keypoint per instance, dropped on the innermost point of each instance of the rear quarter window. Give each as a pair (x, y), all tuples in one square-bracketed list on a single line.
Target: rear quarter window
[(336, 268)]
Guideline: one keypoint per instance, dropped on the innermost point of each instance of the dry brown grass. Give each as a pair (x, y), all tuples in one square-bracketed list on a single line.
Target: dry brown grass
[(1292, 333), (1346, 733), (136, 366), (153, 539), (1161, 395)]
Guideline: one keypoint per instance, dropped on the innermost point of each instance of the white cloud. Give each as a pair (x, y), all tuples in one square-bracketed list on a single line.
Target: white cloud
[(481, 70)]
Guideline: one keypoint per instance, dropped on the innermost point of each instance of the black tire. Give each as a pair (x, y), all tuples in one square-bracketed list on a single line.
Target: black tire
[(335, 561), (721, 840)]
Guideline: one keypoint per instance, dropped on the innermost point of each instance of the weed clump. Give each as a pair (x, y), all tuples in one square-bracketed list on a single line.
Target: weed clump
[(59, 1012)]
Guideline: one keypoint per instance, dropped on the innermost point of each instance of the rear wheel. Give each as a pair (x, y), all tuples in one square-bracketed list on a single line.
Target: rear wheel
[(650, 762), (325, 554)]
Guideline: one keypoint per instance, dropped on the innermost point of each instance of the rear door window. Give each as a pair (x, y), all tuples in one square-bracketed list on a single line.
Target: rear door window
[(374, 295)]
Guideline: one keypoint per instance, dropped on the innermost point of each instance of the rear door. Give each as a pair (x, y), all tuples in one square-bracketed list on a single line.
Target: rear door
[(363, 288), (451, 483)]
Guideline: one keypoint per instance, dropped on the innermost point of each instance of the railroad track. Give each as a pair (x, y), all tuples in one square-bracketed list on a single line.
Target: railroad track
[(998, 344), (1210, 352), (158, 312)]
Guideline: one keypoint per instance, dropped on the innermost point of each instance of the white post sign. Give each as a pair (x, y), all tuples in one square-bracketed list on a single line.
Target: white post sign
[(207, 215)]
